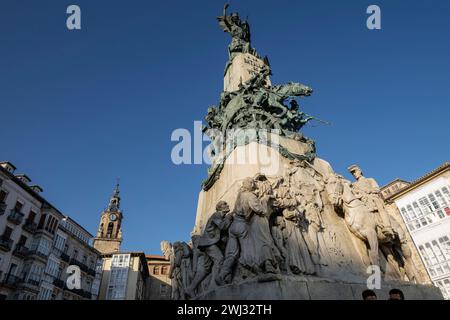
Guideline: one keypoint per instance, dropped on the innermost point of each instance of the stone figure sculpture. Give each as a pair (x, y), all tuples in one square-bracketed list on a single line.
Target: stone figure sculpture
[(239, 31), (370, 191), (358, 217), (201, 267), (277, 233), (250, 242), (307, 185), (213, 242), (180, 270), (298, 256), (304, 223)]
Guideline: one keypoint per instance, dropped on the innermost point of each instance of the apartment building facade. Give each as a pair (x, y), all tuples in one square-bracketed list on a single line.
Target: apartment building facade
[(125, 276), (37, 243), (159, 282)]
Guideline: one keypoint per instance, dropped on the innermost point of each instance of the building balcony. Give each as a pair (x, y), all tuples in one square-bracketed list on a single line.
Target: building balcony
[(11, 281), (15, 217), (65, 257), (59, 283), (29, 226), (79, 292), (91, 272), (5, 243), (3, 207), (37, 253), (33, 282), (82, 266), (21, 251), (87, 295)]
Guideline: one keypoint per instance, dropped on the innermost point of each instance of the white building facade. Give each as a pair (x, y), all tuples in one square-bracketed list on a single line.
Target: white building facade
[(425, 208)]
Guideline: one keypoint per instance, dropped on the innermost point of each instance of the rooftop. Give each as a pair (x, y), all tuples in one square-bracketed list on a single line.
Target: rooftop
[(427, 177)]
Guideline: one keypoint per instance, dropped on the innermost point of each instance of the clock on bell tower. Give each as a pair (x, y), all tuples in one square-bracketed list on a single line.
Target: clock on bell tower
[(109, 234)]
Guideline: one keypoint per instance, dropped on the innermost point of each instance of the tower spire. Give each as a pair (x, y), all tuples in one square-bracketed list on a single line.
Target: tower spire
[(114, 202)]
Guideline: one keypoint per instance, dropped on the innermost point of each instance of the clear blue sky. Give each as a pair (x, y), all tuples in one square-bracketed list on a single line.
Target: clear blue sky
[(80, 108)]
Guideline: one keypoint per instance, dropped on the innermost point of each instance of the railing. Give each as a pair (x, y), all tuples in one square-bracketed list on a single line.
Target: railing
[(59, 283), (5, 243), (82, 266), (15, 217), (21, 250), (33, 282), (87, 295), (38, 253), (91, 272), (11, 281), (30, 226), (65, 257)]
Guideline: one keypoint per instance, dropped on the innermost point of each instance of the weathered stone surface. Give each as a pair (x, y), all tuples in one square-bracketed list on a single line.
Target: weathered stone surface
[(242, 68), (245, 161), (313, 288)]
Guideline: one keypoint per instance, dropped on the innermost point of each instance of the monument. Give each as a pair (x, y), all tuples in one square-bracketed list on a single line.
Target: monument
[(274, 221)]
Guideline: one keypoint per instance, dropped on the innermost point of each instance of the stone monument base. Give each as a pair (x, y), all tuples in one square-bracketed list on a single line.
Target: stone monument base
[(281, 287)]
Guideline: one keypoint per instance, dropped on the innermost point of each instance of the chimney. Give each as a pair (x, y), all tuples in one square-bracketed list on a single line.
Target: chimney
[(36, 188), (8, 166), (23, 177)]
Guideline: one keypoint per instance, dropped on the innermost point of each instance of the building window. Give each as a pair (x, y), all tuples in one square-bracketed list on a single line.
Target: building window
[(7, 233), (156, 271), (441, 200), (110, 229), (446, 193), (445, 245), (42, 221), (18, 207), (31, 216), (118, 277), (433, 201), (22, 241), (3, 196), (165, 270)]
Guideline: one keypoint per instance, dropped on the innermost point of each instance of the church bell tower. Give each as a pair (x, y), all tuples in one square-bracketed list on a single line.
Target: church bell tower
[(109, 234)]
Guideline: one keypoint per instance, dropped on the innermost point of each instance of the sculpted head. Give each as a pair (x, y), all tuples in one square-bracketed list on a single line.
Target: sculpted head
[(222, 207), (166, 249), (235, 17), (279, 221), (355, 171), (248, 184), (194, 240)]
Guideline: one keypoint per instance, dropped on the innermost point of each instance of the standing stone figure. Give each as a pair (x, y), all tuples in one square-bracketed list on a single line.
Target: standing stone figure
[(250, 241), (307, 186), (297, 253), (180, 270), (201, 267), (167, 251), (213, 240), (239, 31), (277, 233), (299, 258)]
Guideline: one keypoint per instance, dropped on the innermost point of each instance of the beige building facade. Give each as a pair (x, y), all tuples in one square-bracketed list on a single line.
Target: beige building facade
[(159, 282), (109, 234)]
